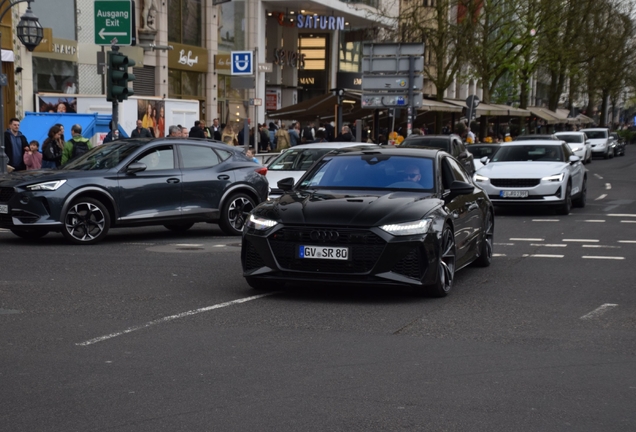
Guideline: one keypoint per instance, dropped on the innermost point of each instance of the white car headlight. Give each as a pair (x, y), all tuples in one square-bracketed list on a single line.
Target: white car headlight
[(575, 149), (408, 228), (260, 224), (480, 178), (48, 186), (554, 178)]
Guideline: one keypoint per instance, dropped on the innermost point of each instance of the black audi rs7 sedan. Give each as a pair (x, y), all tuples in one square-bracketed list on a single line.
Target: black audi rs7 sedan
[(135, 182), (387, 216)]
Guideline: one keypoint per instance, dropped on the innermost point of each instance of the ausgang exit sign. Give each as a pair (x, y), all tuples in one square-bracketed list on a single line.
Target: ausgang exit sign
[(113, 22)]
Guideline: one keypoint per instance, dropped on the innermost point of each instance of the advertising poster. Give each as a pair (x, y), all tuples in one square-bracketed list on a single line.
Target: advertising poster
[(53, 104), (152, 114)]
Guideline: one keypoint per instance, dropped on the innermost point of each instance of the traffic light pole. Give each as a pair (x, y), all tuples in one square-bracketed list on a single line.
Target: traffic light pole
[(114, 124)]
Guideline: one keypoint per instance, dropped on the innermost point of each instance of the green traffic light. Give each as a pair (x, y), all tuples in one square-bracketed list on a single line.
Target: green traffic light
[(118, 77)]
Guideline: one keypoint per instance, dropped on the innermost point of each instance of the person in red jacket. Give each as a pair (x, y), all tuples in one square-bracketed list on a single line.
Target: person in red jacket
[(33, 157)]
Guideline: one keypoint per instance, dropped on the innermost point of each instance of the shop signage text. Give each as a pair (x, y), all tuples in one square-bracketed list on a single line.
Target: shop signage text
[(187, 59), (64, 49), (284, 57), (320, 22), (307, 80)]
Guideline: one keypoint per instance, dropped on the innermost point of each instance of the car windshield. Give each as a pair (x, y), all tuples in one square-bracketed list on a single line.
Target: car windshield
[(439, 143), (297, 159), (529, 153), (105, 156), (596, 134), (482, 151), (372, 171), (571, 138)]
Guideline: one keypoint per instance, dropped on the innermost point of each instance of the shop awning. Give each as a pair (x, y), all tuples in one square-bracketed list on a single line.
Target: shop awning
[(563, 113), (550, 117), (321, 108), (492, 110), (585, 119), (437, 106), (35, 125)]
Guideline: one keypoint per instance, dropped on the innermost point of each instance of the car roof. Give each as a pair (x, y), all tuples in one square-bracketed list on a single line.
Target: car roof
[(394, 151), (332, 145), (569, 133), (532, 142), (595, 129), (536, 136), (425, 137)]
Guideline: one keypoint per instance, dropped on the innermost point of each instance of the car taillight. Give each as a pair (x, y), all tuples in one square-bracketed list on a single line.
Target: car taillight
[(261, 170)]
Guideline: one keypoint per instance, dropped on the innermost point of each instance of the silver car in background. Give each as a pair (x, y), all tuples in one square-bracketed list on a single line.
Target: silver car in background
[(579, 143), (294, 161), (534, 173), (600, 141)]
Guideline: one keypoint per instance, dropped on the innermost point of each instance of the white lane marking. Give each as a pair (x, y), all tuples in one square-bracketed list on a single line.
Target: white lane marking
[(594, 220), (173, 317), (548, 245), (627, 241), (499, 255), (219, 245), (4, 230), (600, 197), (541, 256), (504, 244), (598, 176), (188, 245), (600, 246), (599, 311), (608, 186), (628, 221), (545, 220), (602, 257), (526, 239), (622, 215), (581, 240)]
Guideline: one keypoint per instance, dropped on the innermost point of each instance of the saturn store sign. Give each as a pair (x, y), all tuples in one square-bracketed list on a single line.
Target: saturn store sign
[(320, 22)]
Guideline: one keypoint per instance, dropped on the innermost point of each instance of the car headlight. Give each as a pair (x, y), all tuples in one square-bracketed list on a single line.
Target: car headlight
[(554, 178), (408, 228), (47, 186), (575, 149), (260, 224), (480, 178)]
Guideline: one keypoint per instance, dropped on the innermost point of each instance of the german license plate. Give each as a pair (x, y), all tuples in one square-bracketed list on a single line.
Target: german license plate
[(323, 252), (4, 208), (514, 194)]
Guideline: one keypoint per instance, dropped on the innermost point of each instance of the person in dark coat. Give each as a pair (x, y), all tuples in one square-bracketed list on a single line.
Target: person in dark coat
[(140, 131), (345, 135), (15, 145), (196, 131)]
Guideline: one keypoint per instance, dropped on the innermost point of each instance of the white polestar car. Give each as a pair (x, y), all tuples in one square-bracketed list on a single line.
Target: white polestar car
[(534, 173)]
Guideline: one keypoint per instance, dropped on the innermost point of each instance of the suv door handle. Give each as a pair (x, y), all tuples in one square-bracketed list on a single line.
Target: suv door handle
[(223, 177), (173, 180)]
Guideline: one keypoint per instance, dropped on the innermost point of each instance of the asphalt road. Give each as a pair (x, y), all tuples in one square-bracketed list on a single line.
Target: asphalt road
[(154, 331)]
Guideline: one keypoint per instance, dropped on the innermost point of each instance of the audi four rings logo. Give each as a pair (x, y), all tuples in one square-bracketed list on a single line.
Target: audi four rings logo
[(324, 235)]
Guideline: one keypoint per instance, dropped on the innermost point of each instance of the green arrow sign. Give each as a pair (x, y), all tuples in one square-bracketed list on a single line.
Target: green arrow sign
[(113, 20)]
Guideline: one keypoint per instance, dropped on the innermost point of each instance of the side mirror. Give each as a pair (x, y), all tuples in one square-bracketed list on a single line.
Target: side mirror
[(286, 184), (463, 155), (461, 188), (136, 167), (574, 159), (484, 160)]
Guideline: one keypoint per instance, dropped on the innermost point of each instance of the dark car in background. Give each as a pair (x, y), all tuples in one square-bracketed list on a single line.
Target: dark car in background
[(480, 151), (135, 182), (387, 216), (451, 144), (619, 142)]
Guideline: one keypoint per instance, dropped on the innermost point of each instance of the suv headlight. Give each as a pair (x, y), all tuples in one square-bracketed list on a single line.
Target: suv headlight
[(259, 224), (408, 228), (47, 186), (480, 178), (554, 178)]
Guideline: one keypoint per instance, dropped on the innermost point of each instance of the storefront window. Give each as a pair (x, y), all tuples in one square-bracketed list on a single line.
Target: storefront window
[(186, 85), (186, 22), (58, 15), (54, 76), (231, 26)]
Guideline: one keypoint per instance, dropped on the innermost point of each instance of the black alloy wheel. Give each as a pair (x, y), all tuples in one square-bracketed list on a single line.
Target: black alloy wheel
[(445, 266), (29, 234), (234, 213), (564, 209), (581, 200), (485, 254), (86, 221), (179, 227)]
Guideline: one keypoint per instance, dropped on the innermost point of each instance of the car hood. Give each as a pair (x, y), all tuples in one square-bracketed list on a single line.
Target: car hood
[(19, 178), (346, 208), (598, 140), (521, 169)]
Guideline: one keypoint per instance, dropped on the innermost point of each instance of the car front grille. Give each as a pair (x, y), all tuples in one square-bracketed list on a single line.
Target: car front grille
[(252, 258), (515, 182), (413, 265), (6, 194), (365, 249), (25, 217)]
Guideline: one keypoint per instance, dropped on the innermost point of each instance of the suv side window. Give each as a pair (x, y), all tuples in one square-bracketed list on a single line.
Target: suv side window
[(158, 158), (194, 156)]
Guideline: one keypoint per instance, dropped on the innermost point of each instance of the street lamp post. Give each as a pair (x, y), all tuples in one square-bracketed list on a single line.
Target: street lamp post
[(30, 33)]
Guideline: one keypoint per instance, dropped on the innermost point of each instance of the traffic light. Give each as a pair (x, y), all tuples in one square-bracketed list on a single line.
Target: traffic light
[(118, 77)]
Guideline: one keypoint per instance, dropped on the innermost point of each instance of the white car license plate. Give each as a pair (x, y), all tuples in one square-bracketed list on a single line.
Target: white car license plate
[(514, 194), (4, 208), (323, 252)]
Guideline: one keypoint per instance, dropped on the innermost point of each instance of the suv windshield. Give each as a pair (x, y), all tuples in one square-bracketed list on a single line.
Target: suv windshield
[(439, 143), (596, 134), (372, 171), (571, 138), (528, 153), (105, 156)]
